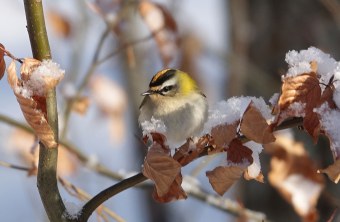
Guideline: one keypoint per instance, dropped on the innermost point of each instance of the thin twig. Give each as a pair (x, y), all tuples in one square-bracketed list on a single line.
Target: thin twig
[(13, 166), (84, 82), (7, 53)]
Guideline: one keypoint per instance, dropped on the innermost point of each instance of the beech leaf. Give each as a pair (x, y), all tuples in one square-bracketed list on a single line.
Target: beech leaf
[(238, 153), (332, 171), (294, 175), (255, 127), (161, 168), (2, 61), (33, 109), (175, 192), (224, 134), (222, 178), (300, 95), (163, 27)]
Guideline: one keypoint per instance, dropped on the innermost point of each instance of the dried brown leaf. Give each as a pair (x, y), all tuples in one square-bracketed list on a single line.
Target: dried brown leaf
[(108, 95), (156, 16), (175, 192), (237, 153), (12, 77), (224, 134), (255, 127), (222, 178), (28, 66), (332, 171), (161, 168), (327, 95), (163, 26), (259, 178), (294, 175), (59, 23), (2, 61), (81, 105), (25, 146), (301, 89), (34, 116)]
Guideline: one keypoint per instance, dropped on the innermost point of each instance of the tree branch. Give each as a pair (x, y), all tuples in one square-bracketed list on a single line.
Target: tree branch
[(109, 192), (47, 168)]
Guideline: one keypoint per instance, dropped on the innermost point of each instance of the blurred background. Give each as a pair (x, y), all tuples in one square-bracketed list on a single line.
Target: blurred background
[(110, 49)]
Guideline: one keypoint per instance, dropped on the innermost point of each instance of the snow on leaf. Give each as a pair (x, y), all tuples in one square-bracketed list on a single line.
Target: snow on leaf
[(255, 127), (303, 89), (332, 171), (175, 192), (294, 175), (2, 61), (254, 169), (222, 178), (237, 153), (32, 108), (330, 121), (259, 177), (161, 168), (223, 134)]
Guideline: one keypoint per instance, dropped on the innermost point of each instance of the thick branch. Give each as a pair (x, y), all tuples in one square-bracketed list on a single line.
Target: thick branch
[(47, 168)]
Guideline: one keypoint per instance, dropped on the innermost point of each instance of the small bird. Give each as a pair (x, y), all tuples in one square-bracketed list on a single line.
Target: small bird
[(174, 98)]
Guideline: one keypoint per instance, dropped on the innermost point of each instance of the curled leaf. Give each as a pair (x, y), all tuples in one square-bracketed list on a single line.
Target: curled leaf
[(33, 109), (161, 168), (2, 61), (300, 95), (222, 178)]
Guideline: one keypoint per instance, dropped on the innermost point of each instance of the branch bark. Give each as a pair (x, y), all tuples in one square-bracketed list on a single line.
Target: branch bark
[(47, 168), (109, 192)]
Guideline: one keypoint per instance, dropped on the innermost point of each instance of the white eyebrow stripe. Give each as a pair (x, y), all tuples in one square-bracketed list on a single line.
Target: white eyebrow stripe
[(169, 82)]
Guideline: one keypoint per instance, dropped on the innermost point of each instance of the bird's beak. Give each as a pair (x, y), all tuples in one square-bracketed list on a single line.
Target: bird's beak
[(149, 92)]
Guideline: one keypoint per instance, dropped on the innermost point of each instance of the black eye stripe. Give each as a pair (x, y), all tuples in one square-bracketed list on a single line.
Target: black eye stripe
[(166, 76), (167, 88)]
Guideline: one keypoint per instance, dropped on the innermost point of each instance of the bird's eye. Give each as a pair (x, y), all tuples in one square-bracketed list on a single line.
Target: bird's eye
[(167, 88)]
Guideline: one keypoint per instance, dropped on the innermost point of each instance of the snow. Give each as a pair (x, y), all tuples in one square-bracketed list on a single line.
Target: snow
[(299, 62), (255, 168), (274, 99), (298, 108), (227, 112), (155, 125), (303, 190), (330, 121), (72, 210), (191, 184), (45, 74)]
